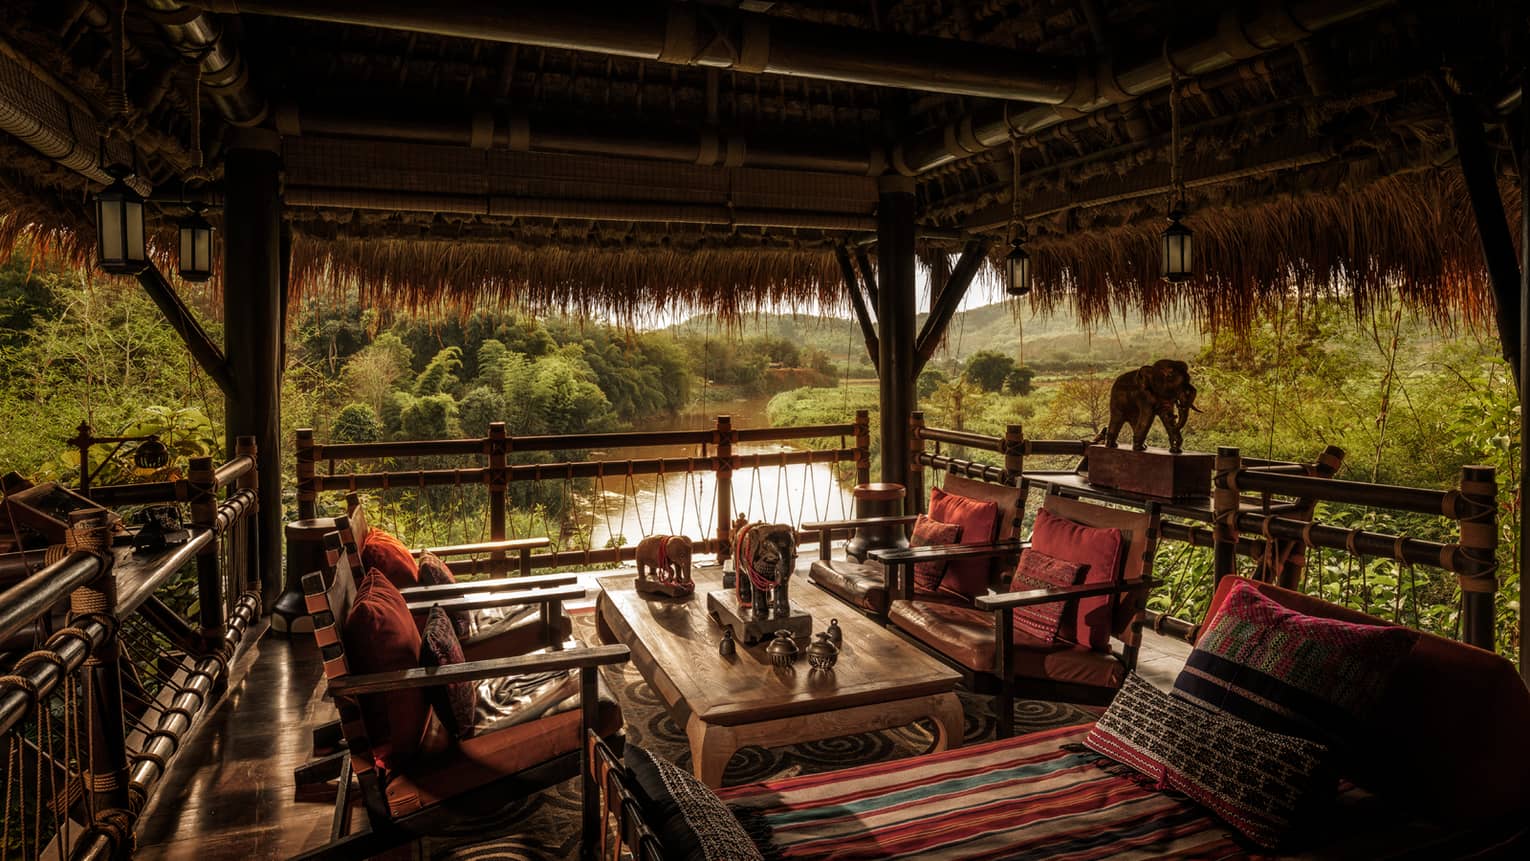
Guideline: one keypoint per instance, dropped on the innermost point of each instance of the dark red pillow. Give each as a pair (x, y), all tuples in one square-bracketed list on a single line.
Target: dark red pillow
[(435, 572), (979, 520), (380, 637), (929, 532), (1098, 548), (1037, 570), (387, 554), (455, 702)]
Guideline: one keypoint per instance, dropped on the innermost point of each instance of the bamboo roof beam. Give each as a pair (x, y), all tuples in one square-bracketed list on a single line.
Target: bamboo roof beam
[(950, 298)]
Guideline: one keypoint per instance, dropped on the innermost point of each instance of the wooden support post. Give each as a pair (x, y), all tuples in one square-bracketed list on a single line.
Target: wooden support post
[(895, 314), (250, 481), (723, 441), (307, 488), (1477, 568), (858, 303), (204, 515), (498, 446), (943, 307), (253, 297), (106, 765), (1014, 454), (1224, 512), (862, 447), (915, 499)]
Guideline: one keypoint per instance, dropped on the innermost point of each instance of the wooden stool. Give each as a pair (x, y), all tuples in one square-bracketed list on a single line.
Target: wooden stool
[(305, 554), (876, 500)]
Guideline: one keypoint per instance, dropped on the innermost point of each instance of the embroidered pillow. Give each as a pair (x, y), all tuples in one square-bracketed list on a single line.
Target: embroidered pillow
[(1099, 550), (455, 702), (387, 554), (1037, 570), (691, 821), (1290, 672), (1262, 783), (380, 637), (929, 532), (435, 572), (979, 520)]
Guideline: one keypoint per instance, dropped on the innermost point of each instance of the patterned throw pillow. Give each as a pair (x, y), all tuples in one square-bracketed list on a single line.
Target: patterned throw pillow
[(1038, 570), (929, 532), (691, 821), (1261, 783), (1290, 672), (435, 572), (456, 702)]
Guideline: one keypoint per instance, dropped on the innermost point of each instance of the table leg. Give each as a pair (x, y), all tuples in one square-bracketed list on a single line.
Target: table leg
[(711, 748), (950, 722)]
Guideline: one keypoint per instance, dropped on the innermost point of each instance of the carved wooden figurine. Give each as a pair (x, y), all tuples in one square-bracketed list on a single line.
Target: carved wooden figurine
[(1161, 390), (668, 557), (766, 557)]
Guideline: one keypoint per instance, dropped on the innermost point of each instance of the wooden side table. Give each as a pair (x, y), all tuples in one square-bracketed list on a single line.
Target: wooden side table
[(877, 500)]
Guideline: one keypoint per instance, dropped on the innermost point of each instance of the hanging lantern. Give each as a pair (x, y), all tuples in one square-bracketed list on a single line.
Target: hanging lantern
[(119, 226), (1178, 264), (195, 262), (1017, 268), (151, 454)]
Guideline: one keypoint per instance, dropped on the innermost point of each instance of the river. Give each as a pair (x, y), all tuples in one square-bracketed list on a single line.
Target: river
[(677, 504)]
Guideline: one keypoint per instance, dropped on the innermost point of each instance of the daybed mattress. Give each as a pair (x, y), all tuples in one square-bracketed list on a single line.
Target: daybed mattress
[(1030, 797)]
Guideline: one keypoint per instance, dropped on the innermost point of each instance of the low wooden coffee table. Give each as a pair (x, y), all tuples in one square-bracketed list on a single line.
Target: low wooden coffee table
[(727, 703)]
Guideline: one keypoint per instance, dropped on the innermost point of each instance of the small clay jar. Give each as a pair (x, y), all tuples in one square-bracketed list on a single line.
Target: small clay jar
[(835, 634), (822, 653), (783, 649)]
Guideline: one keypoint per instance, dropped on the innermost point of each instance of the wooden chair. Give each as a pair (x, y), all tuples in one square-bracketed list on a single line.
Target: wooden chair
[(973, 639), (473, 776), (864, 585), (632, 839)]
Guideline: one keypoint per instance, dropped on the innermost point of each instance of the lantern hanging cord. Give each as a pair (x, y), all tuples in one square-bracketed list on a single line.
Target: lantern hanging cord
[(1015, 227), (1176, 177), (117, 98), (196, 120)]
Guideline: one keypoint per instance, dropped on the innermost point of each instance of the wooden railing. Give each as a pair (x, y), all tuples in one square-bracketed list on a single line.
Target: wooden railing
[(96, 699), (715, 455), (1250, 513)]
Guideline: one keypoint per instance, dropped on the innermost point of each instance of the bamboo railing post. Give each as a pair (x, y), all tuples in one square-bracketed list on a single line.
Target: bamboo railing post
[(106, 764), (862, 447), (203, 497), (1224, 512), (498, 446), (250, 481), (723, 442), (1477, 563), (307, 493), (913, 501), (1014, 453)]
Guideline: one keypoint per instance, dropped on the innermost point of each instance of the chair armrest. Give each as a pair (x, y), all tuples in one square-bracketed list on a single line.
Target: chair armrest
[(498, 584), (842, 525), (502, 599), (1031, 597), (485, 547), (944, 552), (472, 671)]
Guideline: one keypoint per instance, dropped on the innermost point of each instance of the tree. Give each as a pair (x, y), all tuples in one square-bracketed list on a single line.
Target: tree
[(1019, 380), (430, 417), (930, 380), (356, 423), (1082, 403), (440, 376), (479, 407), (954, 402), (988, 369)]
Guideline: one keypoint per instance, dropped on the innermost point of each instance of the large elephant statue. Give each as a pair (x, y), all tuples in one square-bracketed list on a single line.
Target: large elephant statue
[(1161, 390), (766, 556)]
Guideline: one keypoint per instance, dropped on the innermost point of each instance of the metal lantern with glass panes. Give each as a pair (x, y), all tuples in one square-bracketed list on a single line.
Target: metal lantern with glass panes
[(195, 263), (119, 226), (1178, 263), (1017, 268)]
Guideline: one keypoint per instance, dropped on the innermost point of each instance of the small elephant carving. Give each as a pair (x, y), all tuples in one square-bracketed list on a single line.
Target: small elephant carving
[(1161, 390), (767, 556), (668, 558)]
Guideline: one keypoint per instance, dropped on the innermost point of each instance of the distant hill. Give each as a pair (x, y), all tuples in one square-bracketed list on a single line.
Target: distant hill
[(1046, 342)]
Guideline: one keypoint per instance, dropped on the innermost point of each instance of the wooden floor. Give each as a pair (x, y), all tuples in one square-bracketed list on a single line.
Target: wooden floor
[(231, 796)]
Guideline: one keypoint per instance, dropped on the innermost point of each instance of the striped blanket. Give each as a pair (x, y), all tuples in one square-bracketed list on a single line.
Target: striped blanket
[(1028, 797)]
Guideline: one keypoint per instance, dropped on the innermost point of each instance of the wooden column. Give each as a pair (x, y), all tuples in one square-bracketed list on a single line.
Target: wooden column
[(253, 300), (916, 496), (1224, 513), (499, 447), (250, 481), (895, 314), (203, 488), (1477, 514), (723, 440), (862, 447)]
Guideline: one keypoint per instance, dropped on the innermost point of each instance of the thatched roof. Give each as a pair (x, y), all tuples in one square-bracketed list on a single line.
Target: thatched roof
[(433, 170)]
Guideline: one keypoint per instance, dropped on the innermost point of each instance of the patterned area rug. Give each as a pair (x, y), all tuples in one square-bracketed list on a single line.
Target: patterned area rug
[(545, 827)]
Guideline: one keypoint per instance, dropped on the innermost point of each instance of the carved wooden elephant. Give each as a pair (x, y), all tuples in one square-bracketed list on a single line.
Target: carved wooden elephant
[(766, 558), (1161, 390), (668, 557)]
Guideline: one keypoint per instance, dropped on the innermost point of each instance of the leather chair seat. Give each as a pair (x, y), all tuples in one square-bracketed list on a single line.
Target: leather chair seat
[(490, 755), (860, 584), (497, 633), (966, 635)]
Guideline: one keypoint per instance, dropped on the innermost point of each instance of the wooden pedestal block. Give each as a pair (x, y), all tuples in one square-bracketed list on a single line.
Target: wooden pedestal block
[(1155, 472), (749, 629)]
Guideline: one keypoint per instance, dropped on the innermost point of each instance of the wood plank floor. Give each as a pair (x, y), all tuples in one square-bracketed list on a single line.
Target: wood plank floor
[(231, 794)]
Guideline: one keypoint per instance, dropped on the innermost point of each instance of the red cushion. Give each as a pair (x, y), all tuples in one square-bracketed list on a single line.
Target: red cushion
[(380, 637), (1097, 547), (387, 554), (930, 532), (1037, 570), (979, 521)]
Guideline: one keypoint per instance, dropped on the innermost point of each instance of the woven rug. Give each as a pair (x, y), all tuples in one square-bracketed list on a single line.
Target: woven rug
[(545, 827)]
